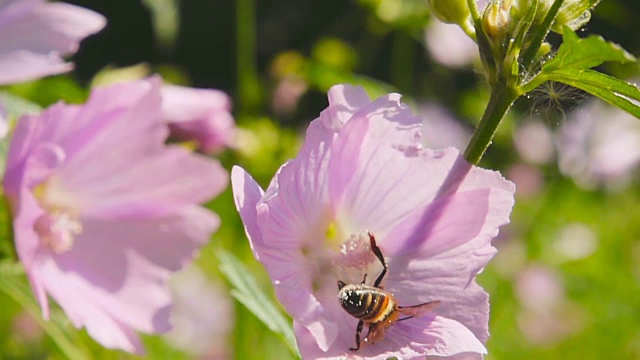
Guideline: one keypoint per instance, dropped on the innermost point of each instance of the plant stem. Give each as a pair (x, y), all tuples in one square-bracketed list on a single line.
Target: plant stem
[(539, 34), (249, 94), (501, 100)]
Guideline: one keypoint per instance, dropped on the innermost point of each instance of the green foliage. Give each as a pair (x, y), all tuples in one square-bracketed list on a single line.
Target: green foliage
[(369, 43), (247, 292), (610, 89), (577, 54), (574, 14), (17, 106), (572, 63), (13, 285)]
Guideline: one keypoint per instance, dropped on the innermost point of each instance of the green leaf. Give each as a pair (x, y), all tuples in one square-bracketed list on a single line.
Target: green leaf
[(612, 90), (574, 14), (585, 53), (248, 293), (13, 284), (17, 106)]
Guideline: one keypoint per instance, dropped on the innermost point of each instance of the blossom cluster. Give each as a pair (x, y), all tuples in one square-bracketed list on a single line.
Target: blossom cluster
[(107, 205)]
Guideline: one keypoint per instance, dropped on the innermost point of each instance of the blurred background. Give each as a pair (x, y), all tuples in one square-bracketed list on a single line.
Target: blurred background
[(566, 282)]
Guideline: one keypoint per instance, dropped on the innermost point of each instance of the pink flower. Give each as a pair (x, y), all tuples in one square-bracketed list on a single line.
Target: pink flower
[(442, 130), (596, 152), (533, 141), (35, 35), (104, 212), (203, 316), (201, 115), (449, 45), (362, 169)]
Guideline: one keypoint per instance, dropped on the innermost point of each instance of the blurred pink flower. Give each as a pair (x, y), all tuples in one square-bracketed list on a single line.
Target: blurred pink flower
[(534, 142), (529, 179), (287, 94), (202, 316), (599, 146), (25, 329), (441, 129), (362, 169), (34, 36), (201, 115), (539, 288), (449, 45), (547, 315), (104, 211)]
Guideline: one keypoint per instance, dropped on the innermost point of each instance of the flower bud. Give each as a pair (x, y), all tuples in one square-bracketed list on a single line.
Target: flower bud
[(450, 11), (495, 20), (545, 47)]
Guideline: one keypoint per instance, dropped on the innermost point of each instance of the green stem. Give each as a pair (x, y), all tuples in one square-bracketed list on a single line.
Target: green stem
[(501, 100), (7, 247), (469, 29), (540, 33), (249, 94), (484, 44), (473, 10), (402, 60)]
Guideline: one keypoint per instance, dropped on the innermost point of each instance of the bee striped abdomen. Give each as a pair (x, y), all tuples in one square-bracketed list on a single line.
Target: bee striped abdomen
[(366, 303)]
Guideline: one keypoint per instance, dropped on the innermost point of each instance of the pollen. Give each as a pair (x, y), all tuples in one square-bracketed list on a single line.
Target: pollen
[(356, 253), (57, 230)]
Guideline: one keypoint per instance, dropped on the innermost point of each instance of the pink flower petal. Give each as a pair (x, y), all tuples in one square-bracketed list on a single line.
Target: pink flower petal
[(35, 35), (180, 103), (122, 269), (246, 194), (202, 115), (411, 339), (27, 243), (386, 118), (101, 177), (149, 190), (20, 65)]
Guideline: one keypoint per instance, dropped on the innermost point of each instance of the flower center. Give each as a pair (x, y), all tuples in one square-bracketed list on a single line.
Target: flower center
[(57, 230), (355, 252)]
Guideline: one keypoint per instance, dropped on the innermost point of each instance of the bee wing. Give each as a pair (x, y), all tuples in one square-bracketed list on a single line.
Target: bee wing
[(418, 310)]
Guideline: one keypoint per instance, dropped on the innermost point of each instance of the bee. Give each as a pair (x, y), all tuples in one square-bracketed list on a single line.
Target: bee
[(377, 308)]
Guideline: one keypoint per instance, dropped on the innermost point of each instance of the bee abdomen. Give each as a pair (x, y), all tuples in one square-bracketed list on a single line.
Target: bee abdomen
[(369, 305)]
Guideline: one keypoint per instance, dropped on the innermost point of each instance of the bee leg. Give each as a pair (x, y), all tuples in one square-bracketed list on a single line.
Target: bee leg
[(378, 253), (365, 279), (405, 318), (358, 331)]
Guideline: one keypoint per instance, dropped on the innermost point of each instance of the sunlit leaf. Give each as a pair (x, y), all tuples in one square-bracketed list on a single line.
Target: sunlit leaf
[(585, 53), (574, 14), (248, 293), (612, 90)]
